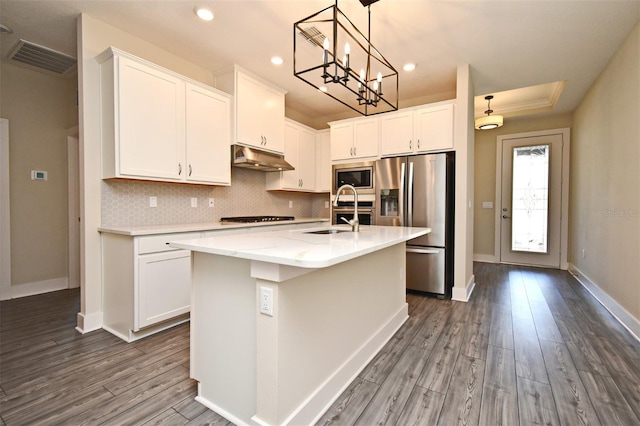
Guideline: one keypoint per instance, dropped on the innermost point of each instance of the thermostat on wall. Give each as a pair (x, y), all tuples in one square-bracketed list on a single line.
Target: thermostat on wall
[(38, 175)]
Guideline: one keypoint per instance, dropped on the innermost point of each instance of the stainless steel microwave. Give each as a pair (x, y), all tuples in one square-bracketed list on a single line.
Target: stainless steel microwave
[(360, 175)]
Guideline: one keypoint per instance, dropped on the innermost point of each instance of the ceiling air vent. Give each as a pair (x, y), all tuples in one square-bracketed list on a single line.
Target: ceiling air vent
[(42, 58), (313, 35)]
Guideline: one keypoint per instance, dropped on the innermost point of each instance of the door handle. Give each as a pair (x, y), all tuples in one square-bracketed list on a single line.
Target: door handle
[(504, 216)]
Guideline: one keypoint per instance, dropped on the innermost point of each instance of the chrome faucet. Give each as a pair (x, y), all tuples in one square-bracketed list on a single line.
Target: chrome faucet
[(355, 223)]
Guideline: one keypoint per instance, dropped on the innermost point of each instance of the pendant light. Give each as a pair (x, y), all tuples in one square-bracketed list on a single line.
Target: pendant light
[(335, 57), (490, 121)]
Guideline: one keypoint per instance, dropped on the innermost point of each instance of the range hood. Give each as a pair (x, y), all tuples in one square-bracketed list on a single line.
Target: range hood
[(256, 159)]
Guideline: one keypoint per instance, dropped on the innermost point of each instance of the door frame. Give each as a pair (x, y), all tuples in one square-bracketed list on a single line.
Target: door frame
[(564, 204), (5, 222), (73, 190)]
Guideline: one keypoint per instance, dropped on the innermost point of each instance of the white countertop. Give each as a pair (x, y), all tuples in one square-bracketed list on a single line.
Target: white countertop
[(297, 247), (195, 227)]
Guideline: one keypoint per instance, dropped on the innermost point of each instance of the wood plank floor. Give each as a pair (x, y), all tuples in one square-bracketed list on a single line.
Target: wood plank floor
[(531, 347)]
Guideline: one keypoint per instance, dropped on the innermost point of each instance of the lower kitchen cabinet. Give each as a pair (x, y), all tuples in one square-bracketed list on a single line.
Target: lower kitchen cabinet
[(163, 286), (146, 284)]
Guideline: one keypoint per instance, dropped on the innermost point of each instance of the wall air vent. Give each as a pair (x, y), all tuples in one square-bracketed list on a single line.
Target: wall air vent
[(42, 58)]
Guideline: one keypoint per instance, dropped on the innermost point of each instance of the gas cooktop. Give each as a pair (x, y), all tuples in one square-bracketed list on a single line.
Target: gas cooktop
[(255, 219)]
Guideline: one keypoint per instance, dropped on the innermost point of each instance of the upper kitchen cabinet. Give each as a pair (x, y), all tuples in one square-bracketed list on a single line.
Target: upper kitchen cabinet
[(354, 139), (208, 116), (300, 152), (259, 109), (159, 125), (417, 130)]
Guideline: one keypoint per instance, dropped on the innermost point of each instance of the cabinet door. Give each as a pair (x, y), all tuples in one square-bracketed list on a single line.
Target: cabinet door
[(434, 128), (342, 141), (248, 115), (397, 133), (259, 114), (208, 133), (150, 122), (164, 287), (290, 178), (272, 111), (366, 137), (307, 159)]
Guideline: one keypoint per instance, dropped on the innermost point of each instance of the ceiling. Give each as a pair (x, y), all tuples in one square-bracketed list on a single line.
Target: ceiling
[(509, 44)]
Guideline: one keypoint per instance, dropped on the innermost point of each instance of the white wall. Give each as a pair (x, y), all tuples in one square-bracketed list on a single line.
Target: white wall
[(40, 108), (605, 185), (464, 146)]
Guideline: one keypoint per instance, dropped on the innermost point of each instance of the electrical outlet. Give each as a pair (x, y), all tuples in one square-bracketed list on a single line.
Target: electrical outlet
[(290, 204), (153, 201), (266, 301), (194, 202), (210, 202), (326, 204), (584, 253)]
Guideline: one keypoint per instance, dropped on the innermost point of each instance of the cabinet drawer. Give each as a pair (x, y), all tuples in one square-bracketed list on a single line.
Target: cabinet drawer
[(158, 243)]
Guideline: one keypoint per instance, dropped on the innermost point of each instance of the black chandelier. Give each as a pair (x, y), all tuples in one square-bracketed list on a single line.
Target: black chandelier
[(357, 77)]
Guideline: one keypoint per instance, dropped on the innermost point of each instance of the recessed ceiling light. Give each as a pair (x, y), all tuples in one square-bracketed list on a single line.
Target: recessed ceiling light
[(323, 89), (203, 13), (409, 67), (277, 60)]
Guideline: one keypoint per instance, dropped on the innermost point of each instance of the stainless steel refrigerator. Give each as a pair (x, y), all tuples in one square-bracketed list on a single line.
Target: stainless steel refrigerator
[(419, 191)]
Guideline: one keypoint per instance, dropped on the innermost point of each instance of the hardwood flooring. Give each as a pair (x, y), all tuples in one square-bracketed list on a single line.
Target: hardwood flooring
[(531, 347)]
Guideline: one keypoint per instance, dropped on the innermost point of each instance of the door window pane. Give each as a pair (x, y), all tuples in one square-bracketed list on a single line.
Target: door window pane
[(530, 195)]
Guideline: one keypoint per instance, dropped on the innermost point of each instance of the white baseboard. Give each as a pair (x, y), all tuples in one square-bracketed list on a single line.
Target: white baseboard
[(485, 258), (464, 294), (625, 318), (39, 287), (87, 323)]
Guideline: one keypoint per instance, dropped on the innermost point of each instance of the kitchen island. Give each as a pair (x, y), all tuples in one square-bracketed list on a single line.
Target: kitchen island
[(283, 321)]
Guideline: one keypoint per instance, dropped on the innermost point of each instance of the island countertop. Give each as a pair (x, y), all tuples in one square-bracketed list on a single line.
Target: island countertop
[(300, 248)]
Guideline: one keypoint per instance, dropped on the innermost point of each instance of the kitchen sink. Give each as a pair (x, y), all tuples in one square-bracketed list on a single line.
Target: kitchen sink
[(328, 231)]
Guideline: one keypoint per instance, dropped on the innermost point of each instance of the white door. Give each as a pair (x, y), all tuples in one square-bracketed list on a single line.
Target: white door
[(531, 207)]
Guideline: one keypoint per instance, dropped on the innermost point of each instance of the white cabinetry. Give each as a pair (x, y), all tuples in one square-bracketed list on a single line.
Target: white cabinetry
[(259, 109), (153, 118), (146, 283), (423, 129), (354, 139), (208, 134), (300, 152)]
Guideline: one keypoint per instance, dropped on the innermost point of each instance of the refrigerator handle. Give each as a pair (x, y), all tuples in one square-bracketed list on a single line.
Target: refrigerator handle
[(401, 195), (410, 196), (423, 251)]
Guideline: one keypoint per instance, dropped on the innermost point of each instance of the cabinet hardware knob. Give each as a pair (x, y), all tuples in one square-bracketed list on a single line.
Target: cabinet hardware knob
[(410, 144), (190, 170), (418, 143), (179, 169)]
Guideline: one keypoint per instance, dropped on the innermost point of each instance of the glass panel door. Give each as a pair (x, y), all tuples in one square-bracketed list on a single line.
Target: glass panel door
[(530, 199)]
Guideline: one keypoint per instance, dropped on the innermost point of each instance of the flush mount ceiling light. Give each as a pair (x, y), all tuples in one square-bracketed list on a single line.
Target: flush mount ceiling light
[(490, 121), (277, 60), (329, 49), (203, 13)]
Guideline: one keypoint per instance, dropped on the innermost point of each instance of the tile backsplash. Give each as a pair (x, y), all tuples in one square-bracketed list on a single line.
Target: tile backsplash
[(126, 202)]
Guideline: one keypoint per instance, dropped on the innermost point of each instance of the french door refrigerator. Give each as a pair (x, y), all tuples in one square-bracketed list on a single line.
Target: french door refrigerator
[(418, 191)]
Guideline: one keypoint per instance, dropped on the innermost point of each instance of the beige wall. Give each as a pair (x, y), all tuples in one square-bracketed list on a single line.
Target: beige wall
[(605, 180), (40, 108), (485, 174)]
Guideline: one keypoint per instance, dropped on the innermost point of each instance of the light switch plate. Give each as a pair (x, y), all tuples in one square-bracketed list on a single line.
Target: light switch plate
[(153, 201), (194, 202)]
